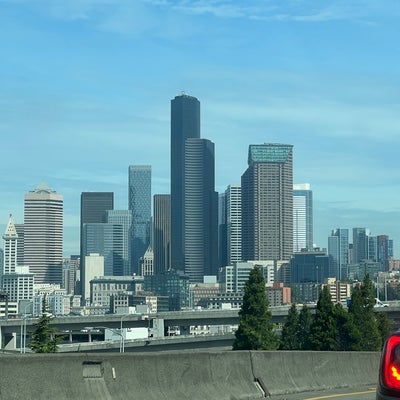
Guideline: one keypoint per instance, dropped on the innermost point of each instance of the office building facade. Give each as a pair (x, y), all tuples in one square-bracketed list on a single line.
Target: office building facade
[(267, 203), (338, 250), (93, 209), (302, 217), (10, 238), (360, 245), (185, 124), (108, 241), (201, 210), (233, 201), (123, 218), (140, 206), (162, 233), (43, 231)]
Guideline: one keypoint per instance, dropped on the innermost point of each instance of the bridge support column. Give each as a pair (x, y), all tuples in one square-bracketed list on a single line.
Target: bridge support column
[(158, 327)]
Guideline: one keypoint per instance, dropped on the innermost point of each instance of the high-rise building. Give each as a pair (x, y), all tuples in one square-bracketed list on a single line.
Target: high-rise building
[(222, 231), (338, 250), (302, 217), (43, 227), (267, 203), (201, 210), (233, 201), (93, 209), (162, 233), (185, 123), (123, 218), (360, 244), (140, 205), (94, 264), (21, 240), (385, 250), (108, 241), (10, 238)]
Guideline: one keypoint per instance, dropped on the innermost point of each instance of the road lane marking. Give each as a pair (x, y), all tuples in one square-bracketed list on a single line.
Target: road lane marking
[(332, 396)]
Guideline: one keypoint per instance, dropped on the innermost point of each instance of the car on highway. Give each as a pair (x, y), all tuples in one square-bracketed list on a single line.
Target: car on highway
[(389, 370)]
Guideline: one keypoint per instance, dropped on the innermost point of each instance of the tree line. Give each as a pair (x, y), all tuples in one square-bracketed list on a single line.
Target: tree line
[(331, 328)]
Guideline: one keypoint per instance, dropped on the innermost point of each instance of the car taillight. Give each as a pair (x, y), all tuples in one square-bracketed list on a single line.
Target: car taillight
[(391, 363)]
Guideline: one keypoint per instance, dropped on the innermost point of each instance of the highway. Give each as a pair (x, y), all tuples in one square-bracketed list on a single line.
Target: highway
[(360, 393)]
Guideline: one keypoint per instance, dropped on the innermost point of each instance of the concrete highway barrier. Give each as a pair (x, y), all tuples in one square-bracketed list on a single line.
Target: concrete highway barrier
[(181, 375)]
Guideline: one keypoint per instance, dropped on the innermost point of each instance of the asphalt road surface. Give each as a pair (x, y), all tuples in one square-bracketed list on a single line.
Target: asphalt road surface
[(362, 393)]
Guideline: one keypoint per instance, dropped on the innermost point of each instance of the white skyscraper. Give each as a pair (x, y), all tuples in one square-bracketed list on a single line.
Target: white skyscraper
[(94, 267), (233, 201), (10, 238), (43, 227), (302, 217)]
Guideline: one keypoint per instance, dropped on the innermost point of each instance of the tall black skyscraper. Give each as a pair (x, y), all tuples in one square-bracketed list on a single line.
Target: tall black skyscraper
[(185, 123)]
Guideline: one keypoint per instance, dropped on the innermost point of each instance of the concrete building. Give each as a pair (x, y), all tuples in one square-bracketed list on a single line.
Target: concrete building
[(339, 291), (43, 231), (222, 231), (226, 279), (267, 203), (147, 263), (233, 201), (233, 278), (10, 238), (71, 274), (140, 206), (185, 123), (201, 208), (19, 285), (278, 295), (200, 291), (94, 267), (103, 287), (21, 240), (162, 233), (302, 217)]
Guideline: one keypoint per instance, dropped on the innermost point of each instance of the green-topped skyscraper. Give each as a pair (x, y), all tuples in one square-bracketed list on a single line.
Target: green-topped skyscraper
[(267, 203)]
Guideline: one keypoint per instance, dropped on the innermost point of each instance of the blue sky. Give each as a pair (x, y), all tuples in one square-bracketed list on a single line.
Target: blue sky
[(85, 90)]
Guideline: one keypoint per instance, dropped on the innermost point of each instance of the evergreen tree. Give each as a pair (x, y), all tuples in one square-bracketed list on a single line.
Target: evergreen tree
[(255, 331), (348, 336), (324, 330), (384, 325), (362, 310), (304, 327), (43, 339), (289, 336)]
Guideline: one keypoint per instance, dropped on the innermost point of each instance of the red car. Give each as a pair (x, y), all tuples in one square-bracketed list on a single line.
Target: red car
[(389, 370)]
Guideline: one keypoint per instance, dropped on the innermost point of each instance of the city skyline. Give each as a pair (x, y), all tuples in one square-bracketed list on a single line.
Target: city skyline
[(87, 85)]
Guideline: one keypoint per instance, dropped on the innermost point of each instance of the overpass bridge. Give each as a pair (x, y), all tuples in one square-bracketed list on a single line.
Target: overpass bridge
[(79, 327)]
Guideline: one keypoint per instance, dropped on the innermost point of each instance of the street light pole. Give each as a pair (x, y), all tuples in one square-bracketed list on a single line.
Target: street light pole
[(122, 345), (23, 331)]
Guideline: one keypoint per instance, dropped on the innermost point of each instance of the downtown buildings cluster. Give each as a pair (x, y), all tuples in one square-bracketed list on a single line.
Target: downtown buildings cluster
[(196, 248)]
